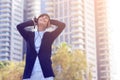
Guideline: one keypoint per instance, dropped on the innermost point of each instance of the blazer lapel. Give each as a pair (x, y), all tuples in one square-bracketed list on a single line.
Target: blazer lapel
[(32, 41), (42, 41)]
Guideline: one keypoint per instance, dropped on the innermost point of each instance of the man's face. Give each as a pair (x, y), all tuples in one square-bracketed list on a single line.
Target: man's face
[(43, 21)]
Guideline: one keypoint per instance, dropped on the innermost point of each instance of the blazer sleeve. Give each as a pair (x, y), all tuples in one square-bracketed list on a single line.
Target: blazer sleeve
[(21, 28), (58, 30)]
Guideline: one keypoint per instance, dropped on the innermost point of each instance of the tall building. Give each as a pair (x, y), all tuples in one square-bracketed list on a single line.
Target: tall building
[(80, 27), (33, 8), (11, 14), (102, 40)]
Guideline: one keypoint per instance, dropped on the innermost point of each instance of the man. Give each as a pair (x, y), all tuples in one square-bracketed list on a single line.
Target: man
[(38, 57)]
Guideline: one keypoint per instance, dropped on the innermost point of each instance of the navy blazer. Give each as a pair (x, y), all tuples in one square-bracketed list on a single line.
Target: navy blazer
[(44, 54)]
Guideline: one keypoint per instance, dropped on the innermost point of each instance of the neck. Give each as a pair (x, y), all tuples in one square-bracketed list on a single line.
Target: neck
[(40, 30)]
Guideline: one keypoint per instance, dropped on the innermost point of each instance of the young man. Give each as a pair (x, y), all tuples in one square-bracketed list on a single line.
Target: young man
[(38, 57)]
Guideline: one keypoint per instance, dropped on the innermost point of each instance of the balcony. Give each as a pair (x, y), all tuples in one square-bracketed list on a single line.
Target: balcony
[(4, 29), (6, 10), (76, 2), (5, 6), (5, 49), (74, 8), (74, 19), (5, 21), (77, 8), (79, 42), (49, 9), (4, 39), (9, 1), (75, 25), (78, 37), (5, 54), (51, 14), (78, 46), (4, 59), (75, 13), (5, 34), (49, 3), (4, 44), (5, 15)]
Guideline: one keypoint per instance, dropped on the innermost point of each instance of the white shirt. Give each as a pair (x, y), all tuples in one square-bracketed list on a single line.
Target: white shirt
[(37, 43)]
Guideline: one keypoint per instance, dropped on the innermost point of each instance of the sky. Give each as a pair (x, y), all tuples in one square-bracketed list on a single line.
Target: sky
[(114, 37)]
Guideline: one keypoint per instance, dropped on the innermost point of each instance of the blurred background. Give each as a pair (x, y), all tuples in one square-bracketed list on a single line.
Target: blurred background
[(92, 29)]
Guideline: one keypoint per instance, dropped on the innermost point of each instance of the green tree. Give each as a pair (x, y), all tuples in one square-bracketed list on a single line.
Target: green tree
[(11, 71), (69, 64), (3, 64)]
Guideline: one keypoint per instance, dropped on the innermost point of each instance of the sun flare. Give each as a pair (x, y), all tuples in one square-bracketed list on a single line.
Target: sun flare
[(114, 32)]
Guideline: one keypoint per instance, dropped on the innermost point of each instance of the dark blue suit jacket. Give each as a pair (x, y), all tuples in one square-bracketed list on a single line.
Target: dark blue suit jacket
[(44, 54)]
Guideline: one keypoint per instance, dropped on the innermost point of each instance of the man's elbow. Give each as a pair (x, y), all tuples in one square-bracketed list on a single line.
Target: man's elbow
[(18, 26)]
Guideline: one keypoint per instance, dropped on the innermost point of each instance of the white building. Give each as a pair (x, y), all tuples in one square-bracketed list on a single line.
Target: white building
[(11, 14), (103, 53), (80, 26), (33, 8)]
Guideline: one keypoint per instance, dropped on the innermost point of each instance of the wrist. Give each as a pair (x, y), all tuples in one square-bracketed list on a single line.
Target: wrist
[(35, 20)]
